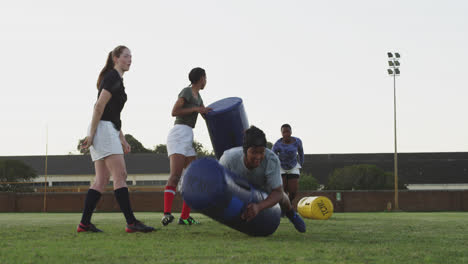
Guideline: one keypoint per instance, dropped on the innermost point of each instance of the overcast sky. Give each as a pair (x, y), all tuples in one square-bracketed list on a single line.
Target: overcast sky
[(317, 65)]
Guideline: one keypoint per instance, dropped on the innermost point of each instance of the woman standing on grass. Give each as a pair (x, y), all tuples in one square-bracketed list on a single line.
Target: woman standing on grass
[(180, 141), (107, 143), (291, 155)]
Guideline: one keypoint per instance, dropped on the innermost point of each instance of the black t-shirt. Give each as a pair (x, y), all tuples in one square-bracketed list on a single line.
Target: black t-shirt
[(113, 83)]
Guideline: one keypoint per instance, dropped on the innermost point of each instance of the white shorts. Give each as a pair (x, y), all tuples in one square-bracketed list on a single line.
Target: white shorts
[(294, 170), (106, 141), (180, 141)]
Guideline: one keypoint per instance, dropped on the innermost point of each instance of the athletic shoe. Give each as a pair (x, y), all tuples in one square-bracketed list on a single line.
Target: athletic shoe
[(193, 221), (188, 221), (138, 227), (87, 228), (167, 219), (297, 222)]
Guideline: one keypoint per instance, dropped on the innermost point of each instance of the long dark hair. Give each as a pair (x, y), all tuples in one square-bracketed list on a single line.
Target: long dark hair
[(110, 62)]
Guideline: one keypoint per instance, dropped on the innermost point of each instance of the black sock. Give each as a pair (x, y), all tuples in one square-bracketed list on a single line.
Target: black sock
[(92, 198), (123, 199)]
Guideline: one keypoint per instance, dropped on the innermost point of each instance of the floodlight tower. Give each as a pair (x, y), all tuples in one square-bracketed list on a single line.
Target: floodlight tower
[(394, 70)]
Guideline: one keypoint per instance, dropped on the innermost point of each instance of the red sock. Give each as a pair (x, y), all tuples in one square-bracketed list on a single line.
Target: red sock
[(185, 211), (169, 193)]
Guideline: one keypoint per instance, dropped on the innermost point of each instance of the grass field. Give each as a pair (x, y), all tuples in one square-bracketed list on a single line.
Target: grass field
[(345, 238)]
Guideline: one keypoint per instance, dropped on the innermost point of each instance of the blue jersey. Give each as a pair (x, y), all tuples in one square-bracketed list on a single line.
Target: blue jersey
[(289, 154)]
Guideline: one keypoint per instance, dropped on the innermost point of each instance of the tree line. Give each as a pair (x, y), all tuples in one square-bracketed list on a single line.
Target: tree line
[(13, 173)]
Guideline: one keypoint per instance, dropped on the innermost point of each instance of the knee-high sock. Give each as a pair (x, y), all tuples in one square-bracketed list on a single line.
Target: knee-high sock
[(185, 211), (123, 199), (169, 193), (92, 198)]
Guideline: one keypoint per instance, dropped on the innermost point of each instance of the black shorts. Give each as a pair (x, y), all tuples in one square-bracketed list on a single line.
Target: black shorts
[(290, 176)]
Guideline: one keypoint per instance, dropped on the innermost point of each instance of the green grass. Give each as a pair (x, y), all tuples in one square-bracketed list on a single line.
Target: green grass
[(345, 238)]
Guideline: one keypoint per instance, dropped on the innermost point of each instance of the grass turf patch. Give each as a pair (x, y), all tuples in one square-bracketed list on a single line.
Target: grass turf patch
[(345, 238)]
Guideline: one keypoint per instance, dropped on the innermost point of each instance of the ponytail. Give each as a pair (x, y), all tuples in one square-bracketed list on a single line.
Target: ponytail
[(109, 65)]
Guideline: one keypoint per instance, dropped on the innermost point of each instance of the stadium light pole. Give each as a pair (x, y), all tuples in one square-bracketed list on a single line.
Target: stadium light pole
[(394, 70)]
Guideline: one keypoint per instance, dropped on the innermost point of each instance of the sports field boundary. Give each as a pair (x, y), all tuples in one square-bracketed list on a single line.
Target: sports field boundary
[(343, 201)]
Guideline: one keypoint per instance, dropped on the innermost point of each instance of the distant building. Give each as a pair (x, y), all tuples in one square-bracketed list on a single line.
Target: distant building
[(78, 170), (435, 171)]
